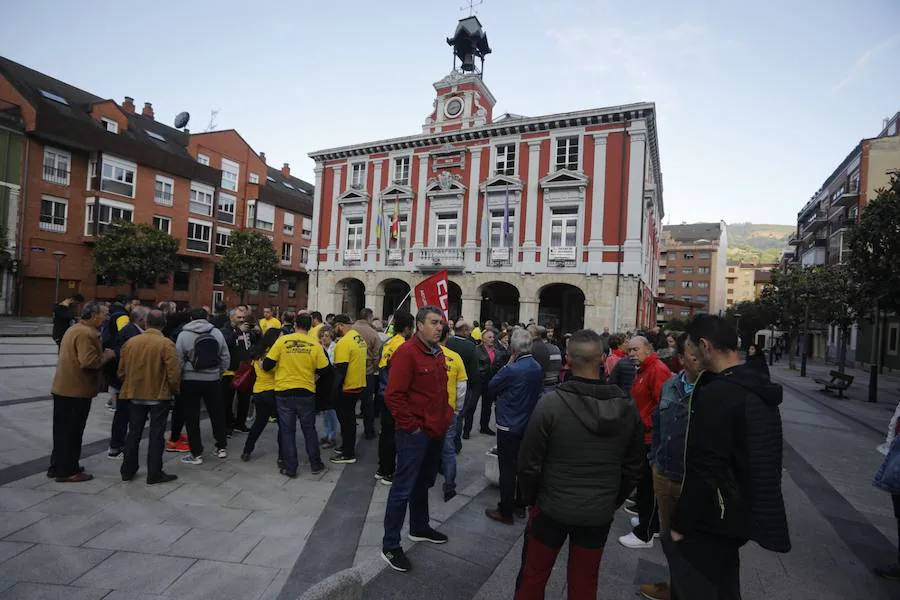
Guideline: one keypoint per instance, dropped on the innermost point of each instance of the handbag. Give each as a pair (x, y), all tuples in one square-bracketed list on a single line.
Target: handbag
[(244, 378)]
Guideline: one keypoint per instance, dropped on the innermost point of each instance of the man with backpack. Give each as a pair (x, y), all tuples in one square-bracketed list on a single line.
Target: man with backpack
[(204, 356)]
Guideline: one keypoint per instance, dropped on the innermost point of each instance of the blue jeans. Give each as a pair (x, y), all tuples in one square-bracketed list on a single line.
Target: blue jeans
[(418, 457), (294, 404), (448, 457), (330, 422)]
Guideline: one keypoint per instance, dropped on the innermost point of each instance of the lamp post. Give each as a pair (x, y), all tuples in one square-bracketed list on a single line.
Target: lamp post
[(772, 344), (805, 340), (58, 255)]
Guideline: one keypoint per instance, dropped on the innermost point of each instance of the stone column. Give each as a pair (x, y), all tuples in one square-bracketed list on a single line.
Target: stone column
[(598, 195), (312, 260), (335, 234), (528, 309), (632, 264), (531, 208), (420, 203), (472, 208), (471, 305), (373, 217)]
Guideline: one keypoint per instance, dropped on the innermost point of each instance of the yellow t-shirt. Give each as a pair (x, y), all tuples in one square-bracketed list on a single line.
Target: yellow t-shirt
[(264, 324), (387, 351), (476, 334), (351, 349), (265, 380), (314, 331), (456, 372), (298, 357)]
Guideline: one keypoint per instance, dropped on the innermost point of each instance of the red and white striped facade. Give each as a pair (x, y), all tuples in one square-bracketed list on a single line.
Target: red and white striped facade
[(584, 197)]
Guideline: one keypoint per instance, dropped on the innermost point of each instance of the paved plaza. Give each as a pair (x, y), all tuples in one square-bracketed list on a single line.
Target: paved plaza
[(229, 529)]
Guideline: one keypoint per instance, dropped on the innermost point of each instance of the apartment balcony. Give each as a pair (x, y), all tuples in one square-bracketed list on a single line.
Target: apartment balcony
[(850, 197), (352, 257), (500, 257), (794, 239), (437, 259), (816, 221), (55, 175)]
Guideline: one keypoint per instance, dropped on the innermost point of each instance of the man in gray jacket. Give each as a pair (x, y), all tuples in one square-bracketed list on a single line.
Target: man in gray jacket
[(579, 459), (204, 356)]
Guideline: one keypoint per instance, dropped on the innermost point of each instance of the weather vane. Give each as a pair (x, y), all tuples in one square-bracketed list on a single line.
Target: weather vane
[(471, 7)]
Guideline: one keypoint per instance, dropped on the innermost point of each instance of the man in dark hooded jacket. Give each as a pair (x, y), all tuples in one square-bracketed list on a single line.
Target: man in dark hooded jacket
[(733, 467), (580, 457)]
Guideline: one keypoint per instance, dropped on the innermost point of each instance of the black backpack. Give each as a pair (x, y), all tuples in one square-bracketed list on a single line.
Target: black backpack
[(206, 352)]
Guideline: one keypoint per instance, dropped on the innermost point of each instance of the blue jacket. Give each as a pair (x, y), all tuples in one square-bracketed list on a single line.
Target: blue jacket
[(670, 422), (518, 387)]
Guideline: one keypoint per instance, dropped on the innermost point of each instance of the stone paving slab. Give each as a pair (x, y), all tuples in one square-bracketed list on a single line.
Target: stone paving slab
[(42, 591), (223, 546), (138, 572), (149, 538), (209, 580), (45, 563)]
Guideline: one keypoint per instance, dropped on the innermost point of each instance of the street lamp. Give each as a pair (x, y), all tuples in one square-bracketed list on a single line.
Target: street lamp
[(58, 255), (805, 339)]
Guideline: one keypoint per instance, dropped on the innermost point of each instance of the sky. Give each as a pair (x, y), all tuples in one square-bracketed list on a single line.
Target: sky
[(757, 102)]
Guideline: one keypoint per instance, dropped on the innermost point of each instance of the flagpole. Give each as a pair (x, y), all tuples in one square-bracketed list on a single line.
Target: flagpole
[(399, 306)]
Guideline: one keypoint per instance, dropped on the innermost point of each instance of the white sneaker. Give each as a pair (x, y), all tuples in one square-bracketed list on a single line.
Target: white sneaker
[(221, 453), (635, 521), (633, 541), (190, 459)]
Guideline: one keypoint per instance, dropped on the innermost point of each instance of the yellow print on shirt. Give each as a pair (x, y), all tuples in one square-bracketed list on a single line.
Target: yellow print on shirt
[(298, 346)]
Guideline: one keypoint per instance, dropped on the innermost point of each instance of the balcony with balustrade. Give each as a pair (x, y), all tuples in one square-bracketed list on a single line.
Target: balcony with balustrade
[(437, 259)]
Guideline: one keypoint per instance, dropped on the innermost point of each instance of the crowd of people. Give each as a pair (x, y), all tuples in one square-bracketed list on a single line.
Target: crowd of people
[(675, 428)]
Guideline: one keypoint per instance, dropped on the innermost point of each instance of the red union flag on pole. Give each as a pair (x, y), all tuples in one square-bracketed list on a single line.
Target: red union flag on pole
[(434, 291)]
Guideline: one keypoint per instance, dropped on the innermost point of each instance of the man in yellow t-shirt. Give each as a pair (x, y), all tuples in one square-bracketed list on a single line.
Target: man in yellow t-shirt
[(456, 389), (349, 384), (316, 324), (476, 331), (297, 358), (404, 325), (269, 320)]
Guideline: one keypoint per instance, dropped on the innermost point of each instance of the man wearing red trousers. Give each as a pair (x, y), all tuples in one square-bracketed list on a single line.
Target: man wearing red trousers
[(580, 458)]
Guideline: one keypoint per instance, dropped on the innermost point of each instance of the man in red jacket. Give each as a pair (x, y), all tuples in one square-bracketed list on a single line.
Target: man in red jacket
[(420, 404), (646, 391)]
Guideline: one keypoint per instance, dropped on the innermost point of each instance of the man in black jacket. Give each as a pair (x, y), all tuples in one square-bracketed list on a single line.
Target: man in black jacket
[(64, 316), (463, 345), (580, 457), (237, 336), (733, 466)]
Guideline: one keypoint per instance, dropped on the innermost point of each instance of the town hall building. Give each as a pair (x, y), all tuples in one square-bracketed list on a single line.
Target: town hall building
[(555, 218)]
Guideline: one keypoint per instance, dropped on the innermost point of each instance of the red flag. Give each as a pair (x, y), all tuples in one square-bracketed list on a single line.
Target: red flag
[(434, 291)]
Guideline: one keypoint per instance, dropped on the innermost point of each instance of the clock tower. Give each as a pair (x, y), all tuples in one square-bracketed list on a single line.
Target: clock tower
[(463, 100)]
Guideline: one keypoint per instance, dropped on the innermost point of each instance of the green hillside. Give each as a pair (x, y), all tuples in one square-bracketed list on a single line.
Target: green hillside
[(749, 243)]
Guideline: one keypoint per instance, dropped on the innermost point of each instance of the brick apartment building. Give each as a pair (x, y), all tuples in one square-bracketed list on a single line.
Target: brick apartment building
[(148, 173), (553, 217), (822, 225), (692, 262)]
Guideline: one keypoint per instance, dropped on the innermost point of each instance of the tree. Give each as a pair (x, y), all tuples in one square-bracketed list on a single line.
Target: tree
[(249, 263), (840, 304), (874, 244), (791, 296), (136, 253), (754, 316)]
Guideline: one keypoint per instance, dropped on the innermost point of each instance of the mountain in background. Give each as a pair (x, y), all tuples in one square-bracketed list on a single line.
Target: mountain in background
[(749, 243)]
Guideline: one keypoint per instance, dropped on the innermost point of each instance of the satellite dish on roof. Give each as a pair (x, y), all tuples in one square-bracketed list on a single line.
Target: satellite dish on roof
[(181, 120)]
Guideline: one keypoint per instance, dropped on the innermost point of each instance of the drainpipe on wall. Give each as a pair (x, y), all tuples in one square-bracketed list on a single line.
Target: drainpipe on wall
[(20, 242), (621, 234)]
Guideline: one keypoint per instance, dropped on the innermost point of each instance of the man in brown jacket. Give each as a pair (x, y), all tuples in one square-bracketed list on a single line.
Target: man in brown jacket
[(363, 327), (76, 382), (150, 372)]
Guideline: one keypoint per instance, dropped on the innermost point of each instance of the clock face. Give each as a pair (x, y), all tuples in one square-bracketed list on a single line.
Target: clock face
[(453, 107)]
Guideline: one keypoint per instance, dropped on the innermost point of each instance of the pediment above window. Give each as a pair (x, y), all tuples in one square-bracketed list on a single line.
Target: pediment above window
[(564, 179), (353, 196), (445, 185), (498, 184), (397, 191)]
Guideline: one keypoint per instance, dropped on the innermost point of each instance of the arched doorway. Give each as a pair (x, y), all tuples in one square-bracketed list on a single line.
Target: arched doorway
[(499, 303), (562, 308), (353, 296), (454, 300), (396, 295)]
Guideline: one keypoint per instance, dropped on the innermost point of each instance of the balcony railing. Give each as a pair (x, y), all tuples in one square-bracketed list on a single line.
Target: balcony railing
[(435, 259), (352, 256), (500, 257), (55, 175), (163, 198), (395, 256), (225, 217), (816, 221), (51, 226)]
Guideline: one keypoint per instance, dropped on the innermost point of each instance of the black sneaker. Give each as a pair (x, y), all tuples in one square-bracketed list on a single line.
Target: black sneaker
[(429, 535), (340, 459), (387, 479), (164, 478), (286, 473), (245, 456), (448, 496), (318, 469), (396, 559)]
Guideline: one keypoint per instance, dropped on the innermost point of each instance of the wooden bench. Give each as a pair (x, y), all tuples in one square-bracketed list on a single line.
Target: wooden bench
[(839, 383)]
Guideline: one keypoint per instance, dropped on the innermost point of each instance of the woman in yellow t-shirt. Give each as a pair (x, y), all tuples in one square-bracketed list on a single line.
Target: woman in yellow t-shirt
[(263, 393)]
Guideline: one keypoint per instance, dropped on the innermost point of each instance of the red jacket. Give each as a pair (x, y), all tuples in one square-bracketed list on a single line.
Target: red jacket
[(417, 389), (647, 390)]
